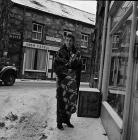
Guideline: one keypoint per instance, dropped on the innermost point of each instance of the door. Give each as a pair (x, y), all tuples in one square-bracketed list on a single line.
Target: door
[(51, 73)]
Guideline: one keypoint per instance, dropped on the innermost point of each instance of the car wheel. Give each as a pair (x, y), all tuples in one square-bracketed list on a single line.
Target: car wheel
[(9, 79)]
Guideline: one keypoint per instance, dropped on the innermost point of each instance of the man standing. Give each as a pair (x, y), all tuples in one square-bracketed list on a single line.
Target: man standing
[(66, 66)]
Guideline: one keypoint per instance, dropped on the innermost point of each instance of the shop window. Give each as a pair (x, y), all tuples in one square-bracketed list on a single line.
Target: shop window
[(37, 32), (84, 40), (84, 64), (119, 66), (35, 59)]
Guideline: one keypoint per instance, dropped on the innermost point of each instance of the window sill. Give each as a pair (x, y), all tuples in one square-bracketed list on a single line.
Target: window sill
[(84, 47), (34, 70), (118, 121), (117, 90)]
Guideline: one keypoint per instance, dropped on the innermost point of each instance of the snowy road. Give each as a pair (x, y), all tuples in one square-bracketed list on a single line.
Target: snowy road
[(33, 104), (28, 112)]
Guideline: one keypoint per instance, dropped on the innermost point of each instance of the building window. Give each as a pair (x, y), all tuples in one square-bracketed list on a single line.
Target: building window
[(37, 32), (66, 33), (84, 40), (35, 59), (84, 63)]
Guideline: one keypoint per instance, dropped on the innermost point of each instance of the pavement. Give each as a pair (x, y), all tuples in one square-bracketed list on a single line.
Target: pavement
[(45, 81), (34, 102), (85, 129)]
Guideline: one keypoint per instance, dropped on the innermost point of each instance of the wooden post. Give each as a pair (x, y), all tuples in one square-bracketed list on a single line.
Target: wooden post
[(106, 70), (24, 60), (128, 97), (103, 45)]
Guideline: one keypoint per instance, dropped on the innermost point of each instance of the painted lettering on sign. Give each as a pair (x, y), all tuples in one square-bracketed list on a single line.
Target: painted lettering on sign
[(15, 36), (50, 38), (34, 45), (40, 46)]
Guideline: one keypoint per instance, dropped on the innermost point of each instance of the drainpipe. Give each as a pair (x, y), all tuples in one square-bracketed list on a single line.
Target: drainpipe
[(107, 61), (103, 45)]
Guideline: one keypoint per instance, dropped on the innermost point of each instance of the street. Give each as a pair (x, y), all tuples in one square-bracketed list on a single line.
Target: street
[(31, 103), (28, 112)]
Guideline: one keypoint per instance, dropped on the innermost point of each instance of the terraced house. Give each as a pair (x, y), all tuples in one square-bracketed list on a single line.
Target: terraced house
[(37, 28)]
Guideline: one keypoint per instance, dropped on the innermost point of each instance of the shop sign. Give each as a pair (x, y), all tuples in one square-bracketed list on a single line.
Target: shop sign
[(51, 48), (50, 38), (40, 46), (34, 45), (15, 36)]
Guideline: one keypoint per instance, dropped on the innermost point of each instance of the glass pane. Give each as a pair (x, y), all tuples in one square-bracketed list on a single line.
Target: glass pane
[(34, 27), (83, 67), (39, 28), (41, 60), (86, 38), (34, 35), (82, 37), (30, 56), (39, 36), (65, 33), (121, 12), (119, 66)]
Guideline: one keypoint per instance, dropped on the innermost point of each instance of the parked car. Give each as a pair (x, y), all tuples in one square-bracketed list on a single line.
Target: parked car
[(8, 72)]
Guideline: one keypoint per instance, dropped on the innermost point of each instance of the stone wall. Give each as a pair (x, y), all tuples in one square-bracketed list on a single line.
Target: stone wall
[(96, 52)]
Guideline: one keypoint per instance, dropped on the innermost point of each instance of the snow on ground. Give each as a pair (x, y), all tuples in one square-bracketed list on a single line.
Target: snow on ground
[(29, 113)]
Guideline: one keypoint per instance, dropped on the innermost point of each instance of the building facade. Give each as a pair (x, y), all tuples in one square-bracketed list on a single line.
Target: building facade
[(97, 40), (37, 29), (118, 73)]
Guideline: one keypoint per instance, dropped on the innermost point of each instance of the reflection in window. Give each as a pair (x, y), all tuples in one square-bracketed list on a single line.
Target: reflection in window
[(121, 12), (119, 66), (84, 63)]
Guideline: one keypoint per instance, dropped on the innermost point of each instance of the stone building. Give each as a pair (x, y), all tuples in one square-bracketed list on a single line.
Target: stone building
[(37, 28)]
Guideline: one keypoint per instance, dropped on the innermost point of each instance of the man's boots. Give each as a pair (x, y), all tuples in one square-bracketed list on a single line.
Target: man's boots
[(69, 124), (60, 126)]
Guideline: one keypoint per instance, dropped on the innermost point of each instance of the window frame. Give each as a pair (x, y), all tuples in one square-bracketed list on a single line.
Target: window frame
[(37, 32), (84, 41)]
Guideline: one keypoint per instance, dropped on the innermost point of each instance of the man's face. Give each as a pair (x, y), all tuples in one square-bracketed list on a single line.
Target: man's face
[(68, 42)]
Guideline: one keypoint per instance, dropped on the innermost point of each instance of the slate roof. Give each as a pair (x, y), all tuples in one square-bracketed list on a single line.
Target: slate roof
[(59, 9)]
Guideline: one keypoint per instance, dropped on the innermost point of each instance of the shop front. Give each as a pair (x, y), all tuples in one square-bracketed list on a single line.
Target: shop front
[(120, 71), (38, 58)]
